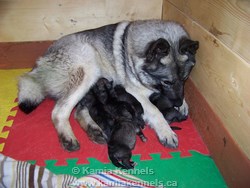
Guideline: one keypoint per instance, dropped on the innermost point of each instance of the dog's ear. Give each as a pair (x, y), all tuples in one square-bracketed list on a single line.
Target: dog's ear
[(188, 46), (157, 49)]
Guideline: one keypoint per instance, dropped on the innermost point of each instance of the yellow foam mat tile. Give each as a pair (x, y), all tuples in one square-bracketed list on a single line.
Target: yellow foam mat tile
[(8, 94)]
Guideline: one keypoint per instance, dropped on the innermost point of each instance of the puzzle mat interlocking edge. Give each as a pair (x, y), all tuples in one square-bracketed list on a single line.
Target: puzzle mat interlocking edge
[(33, 138)]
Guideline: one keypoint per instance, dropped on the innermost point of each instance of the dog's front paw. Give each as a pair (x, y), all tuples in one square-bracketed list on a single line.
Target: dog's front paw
[(69, 144), (183, 109), (169, 139)]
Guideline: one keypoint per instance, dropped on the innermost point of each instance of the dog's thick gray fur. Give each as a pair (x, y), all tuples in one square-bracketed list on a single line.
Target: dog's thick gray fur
[(117, 52)]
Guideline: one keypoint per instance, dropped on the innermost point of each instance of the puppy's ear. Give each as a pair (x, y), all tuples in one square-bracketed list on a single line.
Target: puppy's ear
[(188, 46), (157, 49)]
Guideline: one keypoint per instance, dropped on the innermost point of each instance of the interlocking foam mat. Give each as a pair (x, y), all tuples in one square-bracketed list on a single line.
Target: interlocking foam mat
[(33, 138)]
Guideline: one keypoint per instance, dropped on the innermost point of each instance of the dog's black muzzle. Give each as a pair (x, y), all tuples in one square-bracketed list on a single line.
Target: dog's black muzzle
[(178, 102)]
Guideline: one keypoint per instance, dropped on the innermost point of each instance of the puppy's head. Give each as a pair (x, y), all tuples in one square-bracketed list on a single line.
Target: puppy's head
[(101, 89), (170, 94)]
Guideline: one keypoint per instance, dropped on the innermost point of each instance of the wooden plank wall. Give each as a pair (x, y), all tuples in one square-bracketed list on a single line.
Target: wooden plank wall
[(222, 76), (227, 20), (19, 55), (26, 20)]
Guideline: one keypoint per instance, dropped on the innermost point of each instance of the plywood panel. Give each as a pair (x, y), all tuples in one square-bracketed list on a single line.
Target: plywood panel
[(230, 159), (19, 55), (40, 20), (222, 77), (228, 20)]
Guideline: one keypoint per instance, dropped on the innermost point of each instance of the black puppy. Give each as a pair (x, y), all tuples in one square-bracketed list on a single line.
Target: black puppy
[(119, 115), (95, 100), (168, 107)]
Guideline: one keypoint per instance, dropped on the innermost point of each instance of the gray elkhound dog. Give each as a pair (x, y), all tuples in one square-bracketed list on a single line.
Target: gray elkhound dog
[(138, 55)]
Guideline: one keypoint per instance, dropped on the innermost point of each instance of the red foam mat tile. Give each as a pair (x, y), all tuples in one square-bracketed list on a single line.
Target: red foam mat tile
[(33, 137)]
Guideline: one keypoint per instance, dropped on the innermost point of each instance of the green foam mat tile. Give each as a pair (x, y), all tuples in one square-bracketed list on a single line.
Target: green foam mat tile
[(195, 171)]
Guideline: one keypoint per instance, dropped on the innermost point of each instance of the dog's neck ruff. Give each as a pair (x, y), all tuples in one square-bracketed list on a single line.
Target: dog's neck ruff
[(124, 63), (119, 50)]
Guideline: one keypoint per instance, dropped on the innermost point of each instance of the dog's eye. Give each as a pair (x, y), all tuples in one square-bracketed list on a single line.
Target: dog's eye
[(167, 83)]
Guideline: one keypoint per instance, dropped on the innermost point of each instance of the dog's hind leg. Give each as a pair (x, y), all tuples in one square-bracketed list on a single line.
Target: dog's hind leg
[(60, 118), (80, 83), (94, 132), (79, 71)]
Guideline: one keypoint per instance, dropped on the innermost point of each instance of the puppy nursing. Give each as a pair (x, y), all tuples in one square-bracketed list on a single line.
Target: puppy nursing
[(119, 115), (167, 106)]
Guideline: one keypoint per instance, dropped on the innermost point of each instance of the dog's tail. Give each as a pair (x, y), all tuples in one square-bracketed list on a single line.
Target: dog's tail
[(30, 93)]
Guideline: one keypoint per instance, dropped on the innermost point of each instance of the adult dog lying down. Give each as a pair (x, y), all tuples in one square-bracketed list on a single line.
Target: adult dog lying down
[(136, 55)]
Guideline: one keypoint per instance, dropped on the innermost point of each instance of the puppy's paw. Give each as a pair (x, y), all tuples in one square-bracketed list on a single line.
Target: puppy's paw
[(133, 163), (97, 135), (128, 165), (169, 140), (69, 144), (143, 138)]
